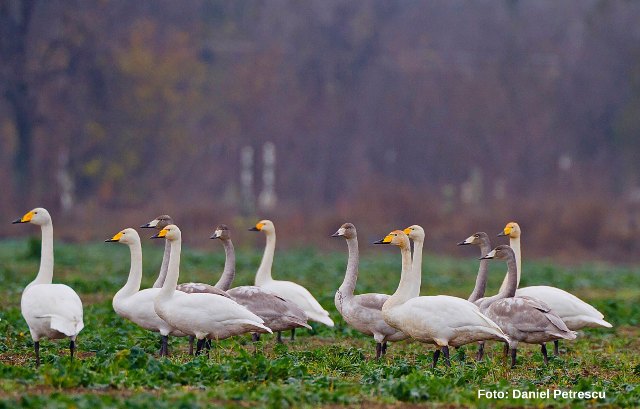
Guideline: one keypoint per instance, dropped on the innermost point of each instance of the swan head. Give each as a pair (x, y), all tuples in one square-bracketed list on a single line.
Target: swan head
[(38, 216), (396, 237), (347, 230), (415, 233), (479, 239), (170, 232), (264, 226), (511, 230), (222, 232), (159, 222), (126, 236), (502, 252)]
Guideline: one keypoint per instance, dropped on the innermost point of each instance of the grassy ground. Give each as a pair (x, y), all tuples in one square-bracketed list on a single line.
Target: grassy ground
[(118, 364)]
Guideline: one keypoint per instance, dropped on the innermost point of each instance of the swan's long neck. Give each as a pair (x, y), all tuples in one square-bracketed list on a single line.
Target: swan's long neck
[(514, 243), (45, 273), (351, 275), (264, 271), (408, 281), (229, 271), (135, 272), (483, 273), (416, 268), (165, 265), (173, 271), (512, 281)]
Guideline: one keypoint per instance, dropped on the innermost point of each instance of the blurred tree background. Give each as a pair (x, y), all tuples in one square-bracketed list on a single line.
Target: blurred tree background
[(459, 116)]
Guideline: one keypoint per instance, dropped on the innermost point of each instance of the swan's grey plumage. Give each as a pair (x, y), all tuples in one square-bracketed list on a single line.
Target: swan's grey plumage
[(440, 320), (576, 313), (51, 310), (363, 311), (523, 319), (278, 313)]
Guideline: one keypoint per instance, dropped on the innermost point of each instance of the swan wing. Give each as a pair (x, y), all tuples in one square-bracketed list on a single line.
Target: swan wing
[(302, 297), (192, 288), (561, 302), (57, 302), (269, 305)]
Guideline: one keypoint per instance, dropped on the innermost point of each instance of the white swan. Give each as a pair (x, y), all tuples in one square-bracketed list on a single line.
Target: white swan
[(203, 315), (576, 313), (51, 310), (363, 311), (523, 319), (291, 291), (440, 320), (135, 305), (160, 223), (279, 314)]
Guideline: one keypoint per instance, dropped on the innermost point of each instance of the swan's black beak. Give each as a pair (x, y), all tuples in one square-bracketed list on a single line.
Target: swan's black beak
[(17, 221), (336, 234), (486, 258), (462, 243), (381, 241), (501, 234), (109, 241), (254, 228), (215, 236), (146, 226), (156, 236)]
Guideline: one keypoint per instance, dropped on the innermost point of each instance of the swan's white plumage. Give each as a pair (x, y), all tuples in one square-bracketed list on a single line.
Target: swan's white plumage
[(202, 315), (287, 289), (50, 310)]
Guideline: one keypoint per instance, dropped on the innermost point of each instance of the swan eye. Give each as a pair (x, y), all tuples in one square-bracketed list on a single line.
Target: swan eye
[(477, 236)]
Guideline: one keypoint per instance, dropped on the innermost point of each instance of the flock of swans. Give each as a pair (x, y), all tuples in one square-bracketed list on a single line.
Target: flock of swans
[(534, 315)]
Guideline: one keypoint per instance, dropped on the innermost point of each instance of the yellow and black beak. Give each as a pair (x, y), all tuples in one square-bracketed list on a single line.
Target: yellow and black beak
[(114, 238), (408, 230), (161, 234), (25, 219), (386, 240), (505, 232), (257, 227)]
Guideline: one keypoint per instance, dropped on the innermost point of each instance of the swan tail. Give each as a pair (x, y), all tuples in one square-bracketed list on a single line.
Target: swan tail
[(253, 326), (68, 327), (321, 318), (595, 322), (298, 321)]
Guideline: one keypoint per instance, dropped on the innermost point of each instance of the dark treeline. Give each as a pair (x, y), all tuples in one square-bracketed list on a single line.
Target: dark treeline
[(456, 115)]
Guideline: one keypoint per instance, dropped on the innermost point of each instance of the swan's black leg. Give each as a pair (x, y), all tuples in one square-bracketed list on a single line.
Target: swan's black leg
[(556, 343), (207, 345), (255, 337), (544, 354), (191, 338), (436, 354), (37, 348), (480, 351), (513, 357), (506, 349), (445, 349), (378, 350), (384, 348), (199, 346), (164, 346), (279, 338), (293, 334), (72, 346)]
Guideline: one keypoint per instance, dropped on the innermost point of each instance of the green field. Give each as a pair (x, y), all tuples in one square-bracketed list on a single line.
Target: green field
[(118, 365)]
